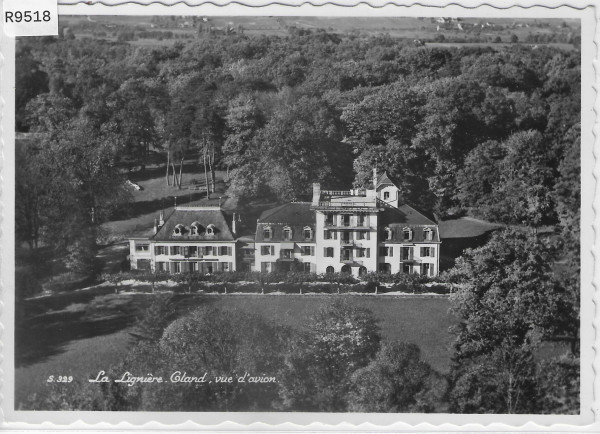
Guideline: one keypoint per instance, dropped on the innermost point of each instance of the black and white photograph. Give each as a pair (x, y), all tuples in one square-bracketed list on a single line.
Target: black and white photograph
[(301, 214)]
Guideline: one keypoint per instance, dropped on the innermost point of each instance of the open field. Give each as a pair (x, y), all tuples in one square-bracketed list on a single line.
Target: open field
[(396, 27), (84, 346)]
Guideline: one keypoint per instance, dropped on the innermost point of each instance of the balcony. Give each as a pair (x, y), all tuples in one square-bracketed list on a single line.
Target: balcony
[(286, 255)]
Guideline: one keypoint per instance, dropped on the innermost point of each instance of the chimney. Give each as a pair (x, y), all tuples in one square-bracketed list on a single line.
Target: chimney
[(375, 178), (233, 224), (155, 226), (316, 193), (161, 219)]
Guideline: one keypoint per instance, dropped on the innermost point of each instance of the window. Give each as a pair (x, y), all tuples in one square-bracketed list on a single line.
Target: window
[(143, 264), (363, 253), (385, 268), (386, 195), (406, 253), (345, 220), (307, 251), (287, 233), (161, 250), (306, 267), (406, 268), (248, 252), (267, 233), (329, 220), (161, 266), (327, 235), (407, 234), (209, 250), (266, 267), (330, 270), (361, 220), (224, 251), (428, 234), (287, 253), (308, 233), (427, 252), (427, 269), (176, 267), (347, 254), (387, 234), (267, 250), (329, 252), (176, 250), (210, 229), (386, 251), (195, 228), (142, 247), (179, 229)]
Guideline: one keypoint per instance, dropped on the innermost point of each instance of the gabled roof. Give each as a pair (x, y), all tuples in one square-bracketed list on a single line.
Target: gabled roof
[(383, 180), (290, 213), (407, 217), (295, 215), (204, 216)]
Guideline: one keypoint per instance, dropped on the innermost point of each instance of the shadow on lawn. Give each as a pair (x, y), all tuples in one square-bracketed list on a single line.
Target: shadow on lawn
[(53, 322)]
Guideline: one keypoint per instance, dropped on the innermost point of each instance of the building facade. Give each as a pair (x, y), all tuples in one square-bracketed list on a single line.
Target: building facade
[(191, 239), (340, 231)]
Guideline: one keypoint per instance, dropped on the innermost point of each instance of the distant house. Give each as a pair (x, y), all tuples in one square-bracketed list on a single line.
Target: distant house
[(340, 231)]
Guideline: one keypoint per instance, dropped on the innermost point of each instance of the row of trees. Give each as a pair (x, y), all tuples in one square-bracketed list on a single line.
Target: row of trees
[(509, 305), (282, 112)]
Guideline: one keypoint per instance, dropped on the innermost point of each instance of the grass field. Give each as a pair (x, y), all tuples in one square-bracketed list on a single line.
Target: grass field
[(95, 331)]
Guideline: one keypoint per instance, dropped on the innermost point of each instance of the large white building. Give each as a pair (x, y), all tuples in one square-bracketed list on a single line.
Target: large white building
[(343, 231), (354, 231)]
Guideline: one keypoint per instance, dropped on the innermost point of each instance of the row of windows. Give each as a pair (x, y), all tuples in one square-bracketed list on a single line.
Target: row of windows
[(407, 234), (425, 268), (329, 252), (288, 233), (194, 229), (198, 267), (197, 251), (346, 220), (407, 252), (304, 251), (346, 236)]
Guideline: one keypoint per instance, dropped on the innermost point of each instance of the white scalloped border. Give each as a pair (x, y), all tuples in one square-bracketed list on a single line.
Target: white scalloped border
[(278, 422)]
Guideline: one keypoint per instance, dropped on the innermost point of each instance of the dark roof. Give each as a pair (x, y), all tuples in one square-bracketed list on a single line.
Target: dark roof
[(204, 216), (406, 216), (383, 180), (295, 215)]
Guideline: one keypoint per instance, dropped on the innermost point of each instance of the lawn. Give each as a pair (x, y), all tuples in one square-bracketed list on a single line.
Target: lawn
[(90, 335)]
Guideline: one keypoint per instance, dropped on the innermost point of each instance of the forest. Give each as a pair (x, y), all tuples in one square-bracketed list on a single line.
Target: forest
[(490, 132)]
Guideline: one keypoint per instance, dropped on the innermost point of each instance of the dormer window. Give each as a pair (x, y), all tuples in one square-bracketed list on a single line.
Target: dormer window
[(210, 229), (179, 229), (267, 233), (287, 233), (387, 234), (386, 195), (407, 234), (428, 232), (195, 228), (308, 234)]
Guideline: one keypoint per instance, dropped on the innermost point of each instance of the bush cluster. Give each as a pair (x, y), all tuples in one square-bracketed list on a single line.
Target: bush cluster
[(288, 283)]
